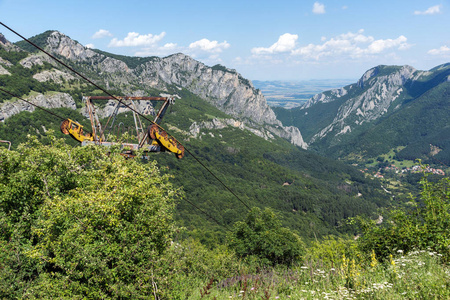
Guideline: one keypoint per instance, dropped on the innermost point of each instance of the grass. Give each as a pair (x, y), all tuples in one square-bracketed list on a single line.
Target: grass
[(418, 275)]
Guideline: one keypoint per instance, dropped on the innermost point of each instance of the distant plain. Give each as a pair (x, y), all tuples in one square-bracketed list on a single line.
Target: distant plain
[(289, 94)]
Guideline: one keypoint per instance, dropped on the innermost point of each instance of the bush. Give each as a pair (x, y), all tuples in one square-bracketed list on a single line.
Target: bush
[(81, 223), (262, 236), (425, 226)]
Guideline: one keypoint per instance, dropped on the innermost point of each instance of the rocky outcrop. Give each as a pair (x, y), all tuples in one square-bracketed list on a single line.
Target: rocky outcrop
[(7, 45), (32, 60), (144, 107), (53, 75), (61, 44), (374, 95), (57, 100), (222, 87), (326, 97), (3, 71), (290, 133)]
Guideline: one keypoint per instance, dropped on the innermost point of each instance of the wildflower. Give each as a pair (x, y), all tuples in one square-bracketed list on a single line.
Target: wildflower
[(392, 260), (373, 261)]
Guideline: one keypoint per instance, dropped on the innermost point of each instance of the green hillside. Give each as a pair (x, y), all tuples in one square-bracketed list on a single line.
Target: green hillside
[(416, 119), (321, 194)]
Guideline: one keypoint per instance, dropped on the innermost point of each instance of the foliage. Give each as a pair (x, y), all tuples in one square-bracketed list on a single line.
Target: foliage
[(80, 222), (417, 275), (331, 249), (424, 226), (261, 235), (16, 128), (416, 119), (131, 61), (21, 81), (12, 56), (39, 39)]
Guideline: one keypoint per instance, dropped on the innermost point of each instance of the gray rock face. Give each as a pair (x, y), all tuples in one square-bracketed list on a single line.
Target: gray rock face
[(7, 109), (377, 94), (326, 97), (53, 75), (4, 43), (3, 71), (290, 133), (63, 45), (224, 88), (5, 62), (144, 107)]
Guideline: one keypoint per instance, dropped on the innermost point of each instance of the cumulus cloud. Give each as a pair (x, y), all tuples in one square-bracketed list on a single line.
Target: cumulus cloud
[(135, 39), (318, 8), (430, 11), (101, 34), (155, 50), (379, 46), (209, 46), (352, 45), (285, 43), (90, 46), (444, 50)]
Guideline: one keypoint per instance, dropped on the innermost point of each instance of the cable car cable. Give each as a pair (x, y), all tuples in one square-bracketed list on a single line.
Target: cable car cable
[(120, 101)]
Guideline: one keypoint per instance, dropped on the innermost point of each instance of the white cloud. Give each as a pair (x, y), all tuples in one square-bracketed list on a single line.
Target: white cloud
[(154, 50), (430, 11), (344, 7), (350, 45), (318, 8), (136, 39), (209, 46), (379, 46), (101, 34), (90, 46), (285, 43), (443, 50)]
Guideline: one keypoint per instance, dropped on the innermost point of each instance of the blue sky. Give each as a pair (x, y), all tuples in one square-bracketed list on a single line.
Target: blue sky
[(263, 40)]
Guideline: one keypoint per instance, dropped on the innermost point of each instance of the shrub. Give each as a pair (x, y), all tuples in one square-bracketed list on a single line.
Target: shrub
[(425, 226), (262, 236)]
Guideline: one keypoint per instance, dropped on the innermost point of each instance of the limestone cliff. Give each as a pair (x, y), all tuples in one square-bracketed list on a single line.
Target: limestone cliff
[(222, 87)]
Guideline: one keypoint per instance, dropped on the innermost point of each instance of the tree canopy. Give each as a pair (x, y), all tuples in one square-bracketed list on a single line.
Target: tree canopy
[(81, 222)]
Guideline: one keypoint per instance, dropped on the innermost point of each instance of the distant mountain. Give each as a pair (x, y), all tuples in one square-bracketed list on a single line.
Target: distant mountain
[(389, 107), (219, 116), (224, 88)]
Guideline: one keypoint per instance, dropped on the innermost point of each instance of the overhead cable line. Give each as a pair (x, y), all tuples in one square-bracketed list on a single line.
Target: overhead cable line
[(52, 113), (120, 101)]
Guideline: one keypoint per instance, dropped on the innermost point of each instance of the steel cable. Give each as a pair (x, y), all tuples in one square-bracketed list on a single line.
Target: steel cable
[(120, 101)]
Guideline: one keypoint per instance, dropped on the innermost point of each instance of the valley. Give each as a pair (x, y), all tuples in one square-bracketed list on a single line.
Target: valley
[(286, 189), (290, 94)]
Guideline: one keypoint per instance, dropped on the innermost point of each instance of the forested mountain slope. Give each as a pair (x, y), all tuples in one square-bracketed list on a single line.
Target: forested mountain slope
[(389, 107), (219, 116), (222, 87)]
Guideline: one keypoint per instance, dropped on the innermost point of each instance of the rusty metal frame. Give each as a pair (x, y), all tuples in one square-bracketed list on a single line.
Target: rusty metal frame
[(149, 144)]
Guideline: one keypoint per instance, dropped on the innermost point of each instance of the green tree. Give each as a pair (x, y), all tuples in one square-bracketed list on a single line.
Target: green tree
[(424, 226), (262, 236), (81, 222)]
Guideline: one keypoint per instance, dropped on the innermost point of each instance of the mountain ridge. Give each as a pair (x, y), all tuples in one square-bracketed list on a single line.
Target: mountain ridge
[(220, 86), (334, 118)]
